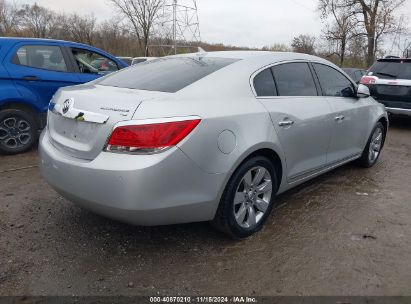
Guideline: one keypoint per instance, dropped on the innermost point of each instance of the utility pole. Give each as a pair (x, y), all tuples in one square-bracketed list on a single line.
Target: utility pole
[(175, 25), (177, 29)]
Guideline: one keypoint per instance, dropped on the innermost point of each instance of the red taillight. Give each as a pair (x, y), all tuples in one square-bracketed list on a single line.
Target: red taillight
[(150, 138), (368, 80)]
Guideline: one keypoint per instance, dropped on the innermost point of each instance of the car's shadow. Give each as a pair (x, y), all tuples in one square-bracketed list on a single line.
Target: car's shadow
[(92, 228)]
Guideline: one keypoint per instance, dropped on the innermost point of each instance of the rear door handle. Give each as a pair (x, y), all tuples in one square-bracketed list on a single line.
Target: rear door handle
[(339, 118), (286, 123), (31, 78)]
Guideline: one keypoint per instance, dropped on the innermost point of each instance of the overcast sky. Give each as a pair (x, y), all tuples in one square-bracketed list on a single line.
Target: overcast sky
[(253, 23)]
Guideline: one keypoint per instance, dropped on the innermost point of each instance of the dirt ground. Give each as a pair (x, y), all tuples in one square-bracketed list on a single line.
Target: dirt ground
[(345, 233)]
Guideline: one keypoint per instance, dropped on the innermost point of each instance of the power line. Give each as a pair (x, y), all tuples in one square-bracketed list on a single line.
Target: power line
[(302, 5), (177, 28)]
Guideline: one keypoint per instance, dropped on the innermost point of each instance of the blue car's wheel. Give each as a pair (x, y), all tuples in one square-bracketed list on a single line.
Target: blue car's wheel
[(18, 131)]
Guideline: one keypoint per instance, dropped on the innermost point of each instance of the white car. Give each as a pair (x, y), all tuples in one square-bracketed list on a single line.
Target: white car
[(142, 59)]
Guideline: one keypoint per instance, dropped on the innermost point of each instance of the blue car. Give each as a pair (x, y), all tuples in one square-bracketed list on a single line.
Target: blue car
[(31, 71)]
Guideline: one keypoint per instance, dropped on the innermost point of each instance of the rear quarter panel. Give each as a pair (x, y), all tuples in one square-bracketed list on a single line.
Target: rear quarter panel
[(226, 104)]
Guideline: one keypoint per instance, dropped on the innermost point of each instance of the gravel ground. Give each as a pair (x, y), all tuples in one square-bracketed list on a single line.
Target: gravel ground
[(345, 233)]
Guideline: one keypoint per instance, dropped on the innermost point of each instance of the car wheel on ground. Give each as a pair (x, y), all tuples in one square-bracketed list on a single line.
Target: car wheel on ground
[(18, 131), (374, 146), (248, 198)]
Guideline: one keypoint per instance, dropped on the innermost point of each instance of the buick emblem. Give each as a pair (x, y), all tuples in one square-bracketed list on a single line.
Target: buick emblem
[(66, 105)]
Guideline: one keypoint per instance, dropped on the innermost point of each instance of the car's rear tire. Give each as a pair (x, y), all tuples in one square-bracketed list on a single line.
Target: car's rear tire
[(248, 198), (373, 148), (18, 131)]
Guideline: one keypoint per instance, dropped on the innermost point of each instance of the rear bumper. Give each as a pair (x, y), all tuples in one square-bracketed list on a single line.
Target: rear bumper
[(147, 190), (399, 111)]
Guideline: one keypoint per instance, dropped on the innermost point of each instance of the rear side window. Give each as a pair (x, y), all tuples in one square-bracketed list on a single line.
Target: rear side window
[(165, 75), (333, 83), (264, 84), (41, 57), (294, 79), (392, 69)]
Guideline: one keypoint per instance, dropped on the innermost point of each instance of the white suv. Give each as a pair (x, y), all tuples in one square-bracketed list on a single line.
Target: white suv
[(389, 81)]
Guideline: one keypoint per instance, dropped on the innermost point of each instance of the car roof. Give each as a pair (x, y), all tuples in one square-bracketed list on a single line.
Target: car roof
[(41, 40), (395, 60), (256, 56), (11, 41), (231, 54), (258, 59)]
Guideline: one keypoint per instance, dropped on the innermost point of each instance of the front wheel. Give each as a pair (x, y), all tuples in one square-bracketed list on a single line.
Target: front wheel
[(18, 131), (374, 147), (248, 198)]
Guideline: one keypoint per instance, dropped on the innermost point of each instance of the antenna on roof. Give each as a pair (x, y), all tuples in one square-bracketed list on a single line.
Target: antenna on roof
[(201, 53)]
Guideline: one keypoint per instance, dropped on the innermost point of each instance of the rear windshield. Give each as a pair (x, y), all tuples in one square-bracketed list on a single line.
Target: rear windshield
[(392, 69), (165, 75)]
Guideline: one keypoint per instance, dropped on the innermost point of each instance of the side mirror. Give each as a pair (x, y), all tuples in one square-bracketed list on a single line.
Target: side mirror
[(363, 91), (348, 92)]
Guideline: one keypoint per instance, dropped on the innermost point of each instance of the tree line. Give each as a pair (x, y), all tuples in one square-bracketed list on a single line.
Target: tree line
[(360, 26), (126, 34), (354, 30)]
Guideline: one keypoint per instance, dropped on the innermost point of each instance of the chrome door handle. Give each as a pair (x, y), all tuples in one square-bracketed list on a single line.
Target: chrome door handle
[(340, 118), (286, 123)]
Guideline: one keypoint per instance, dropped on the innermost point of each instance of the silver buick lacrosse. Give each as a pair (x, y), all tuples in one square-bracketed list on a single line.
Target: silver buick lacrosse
[(206, 137)]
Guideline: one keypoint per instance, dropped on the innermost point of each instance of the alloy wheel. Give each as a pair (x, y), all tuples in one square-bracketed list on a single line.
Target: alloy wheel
[(253, 197), (15, 132), (375, 145)]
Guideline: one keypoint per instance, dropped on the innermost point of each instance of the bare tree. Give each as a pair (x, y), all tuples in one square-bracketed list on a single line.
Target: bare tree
[(304, 44), (375, 19), (341, 30), (39, 21), (277, 47), (357, 52), (141, 14), (9, 18), (405, 46), (116, 38), (79, 28), (387, 23)]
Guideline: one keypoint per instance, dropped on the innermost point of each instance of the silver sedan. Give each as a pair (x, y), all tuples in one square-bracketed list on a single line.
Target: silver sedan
[(207, 137)]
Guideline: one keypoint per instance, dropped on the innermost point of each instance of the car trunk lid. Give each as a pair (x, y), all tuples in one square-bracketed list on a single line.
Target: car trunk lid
[(82, 118)]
